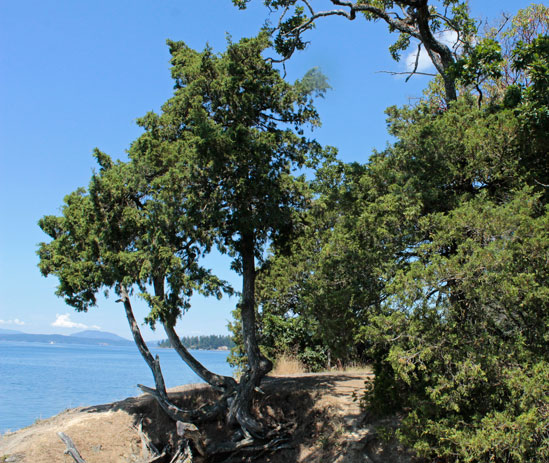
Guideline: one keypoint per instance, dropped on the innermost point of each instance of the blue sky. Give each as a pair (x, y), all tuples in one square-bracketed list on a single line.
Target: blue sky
[(76, 74)]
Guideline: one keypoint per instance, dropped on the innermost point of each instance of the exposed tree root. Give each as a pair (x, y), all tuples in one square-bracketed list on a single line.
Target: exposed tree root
[(250, 447)]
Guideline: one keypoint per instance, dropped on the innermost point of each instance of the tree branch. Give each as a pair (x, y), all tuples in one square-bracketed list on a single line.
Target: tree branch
[(399, 24), (416, 24), (415, 64), (396, 22), (160, 394), (407, 73), (223, 383)]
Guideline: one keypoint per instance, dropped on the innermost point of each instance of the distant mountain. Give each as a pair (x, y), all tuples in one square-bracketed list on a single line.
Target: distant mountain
[(96, 334), (4, 331)]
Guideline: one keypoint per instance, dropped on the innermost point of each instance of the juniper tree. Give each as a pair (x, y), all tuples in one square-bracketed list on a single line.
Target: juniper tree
[(234, 126), (130, 235), (216, 166)]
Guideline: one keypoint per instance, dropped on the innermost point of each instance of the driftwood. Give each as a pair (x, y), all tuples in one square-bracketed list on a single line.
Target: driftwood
[(71, 448)]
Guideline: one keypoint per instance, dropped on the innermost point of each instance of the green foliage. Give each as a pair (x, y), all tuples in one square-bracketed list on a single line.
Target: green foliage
[(531, 103), (533, 59), (431, 261), (466, 316), (123, 231), (213, 167), (223, 127), (528, 24), (302, 308), (482, 62), (487, 63)]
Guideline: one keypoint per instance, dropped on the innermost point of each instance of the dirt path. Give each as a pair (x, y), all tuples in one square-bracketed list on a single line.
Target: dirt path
[(329, 424), (335, 429)]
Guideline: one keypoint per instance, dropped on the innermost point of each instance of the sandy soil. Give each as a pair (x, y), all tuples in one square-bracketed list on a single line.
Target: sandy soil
[(328, 425)]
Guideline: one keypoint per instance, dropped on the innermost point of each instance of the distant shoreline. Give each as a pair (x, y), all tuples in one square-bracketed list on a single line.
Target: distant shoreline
[(86, 342), (221, 348), (62, 339)]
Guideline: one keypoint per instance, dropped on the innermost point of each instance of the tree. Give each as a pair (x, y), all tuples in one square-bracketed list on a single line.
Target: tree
[(127, 234), (215, 167), (442, 240), (414, 20), (525, 27), (487, 66), (329, 283), (223, 121), (461, 340)]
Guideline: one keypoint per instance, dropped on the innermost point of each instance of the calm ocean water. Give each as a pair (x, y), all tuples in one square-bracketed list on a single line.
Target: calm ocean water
[(40, 380)]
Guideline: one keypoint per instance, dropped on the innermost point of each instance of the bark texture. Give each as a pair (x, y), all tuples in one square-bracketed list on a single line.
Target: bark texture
[(71, 448)]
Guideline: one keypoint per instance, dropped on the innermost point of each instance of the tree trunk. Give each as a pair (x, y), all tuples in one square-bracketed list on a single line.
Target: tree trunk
[(258, 365), (224, 383), (160, 393)]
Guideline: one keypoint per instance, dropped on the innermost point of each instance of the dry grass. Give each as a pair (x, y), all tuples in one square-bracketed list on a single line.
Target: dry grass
[(287, 365)]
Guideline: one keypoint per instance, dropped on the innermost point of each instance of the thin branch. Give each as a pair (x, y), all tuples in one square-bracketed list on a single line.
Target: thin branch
[(446, 20), (309, 6), (455, 46), (282, 16), (303, 27), (506, 18), (541, 184), (394, 73), (398, 24), (279, 61), (415, 64), (477, 86)]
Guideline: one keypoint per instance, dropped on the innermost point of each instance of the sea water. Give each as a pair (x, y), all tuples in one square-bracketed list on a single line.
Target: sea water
[(39, 380)]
